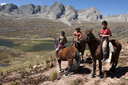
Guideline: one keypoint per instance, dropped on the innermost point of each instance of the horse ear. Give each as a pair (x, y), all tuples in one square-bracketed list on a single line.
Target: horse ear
[(91, 30)]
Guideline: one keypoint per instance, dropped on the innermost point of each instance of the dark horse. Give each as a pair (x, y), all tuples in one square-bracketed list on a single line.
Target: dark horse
[(80, 49), (69, 54), (96, 53)]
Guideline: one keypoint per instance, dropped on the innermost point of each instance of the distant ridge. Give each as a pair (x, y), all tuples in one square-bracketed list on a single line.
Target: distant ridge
[(57, 11)]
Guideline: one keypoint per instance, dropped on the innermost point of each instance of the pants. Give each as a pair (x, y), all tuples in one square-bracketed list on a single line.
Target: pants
[(104, 46)]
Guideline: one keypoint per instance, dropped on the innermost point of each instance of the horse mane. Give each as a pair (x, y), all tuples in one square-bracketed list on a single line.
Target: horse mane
[(96, 39)]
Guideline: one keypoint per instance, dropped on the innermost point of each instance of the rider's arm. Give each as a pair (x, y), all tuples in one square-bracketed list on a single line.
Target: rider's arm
[(80, 35), (74, 34)]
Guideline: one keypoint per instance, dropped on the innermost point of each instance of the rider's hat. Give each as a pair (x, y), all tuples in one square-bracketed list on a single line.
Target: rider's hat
[(78, 28)]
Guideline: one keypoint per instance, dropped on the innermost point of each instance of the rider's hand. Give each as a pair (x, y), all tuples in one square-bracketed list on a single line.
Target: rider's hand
[(103, 36)]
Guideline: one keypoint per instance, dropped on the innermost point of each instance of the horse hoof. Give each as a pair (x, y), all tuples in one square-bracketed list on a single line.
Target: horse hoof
[(98, 77), (61, 71), (92, 76), (65, 75)]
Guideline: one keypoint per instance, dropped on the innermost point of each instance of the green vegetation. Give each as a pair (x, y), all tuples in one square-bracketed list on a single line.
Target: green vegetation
[(53, 75), (30, 59)]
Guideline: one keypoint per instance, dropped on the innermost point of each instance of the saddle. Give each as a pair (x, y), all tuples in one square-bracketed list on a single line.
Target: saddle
[(61, 48)]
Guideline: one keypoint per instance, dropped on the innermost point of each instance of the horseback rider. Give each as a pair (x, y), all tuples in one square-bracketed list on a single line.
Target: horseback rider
[(62, 40), (105, 33), (78, 33)]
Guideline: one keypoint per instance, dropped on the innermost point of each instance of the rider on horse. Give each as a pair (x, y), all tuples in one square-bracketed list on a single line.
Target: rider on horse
[(78, 33), (104, 34), (62, 40)]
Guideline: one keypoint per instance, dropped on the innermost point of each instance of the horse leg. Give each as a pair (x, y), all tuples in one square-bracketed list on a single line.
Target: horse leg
[(70, 62), (94, 69), (100, 69), (59, 61), (115, 63), (82, 56)]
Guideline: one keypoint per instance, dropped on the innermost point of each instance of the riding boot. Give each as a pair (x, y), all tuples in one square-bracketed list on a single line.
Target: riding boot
[(104, 58), (57, 55)]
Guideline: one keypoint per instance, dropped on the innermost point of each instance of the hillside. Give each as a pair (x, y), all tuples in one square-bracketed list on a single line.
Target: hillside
[(36, 28), (47, 73)]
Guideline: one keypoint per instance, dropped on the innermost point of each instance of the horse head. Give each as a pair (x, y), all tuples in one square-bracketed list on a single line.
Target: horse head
[(75, 40), (87, 36)]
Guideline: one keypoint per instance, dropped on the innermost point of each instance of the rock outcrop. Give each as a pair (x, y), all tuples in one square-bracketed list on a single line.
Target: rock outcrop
[(90, 14), (56, 10), (70, 13), (8, 8)]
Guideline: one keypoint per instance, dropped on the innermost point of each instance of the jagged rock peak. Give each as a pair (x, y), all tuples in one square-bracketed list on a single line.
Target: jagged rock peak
[(27, 9), (56, 10), (8, 8)]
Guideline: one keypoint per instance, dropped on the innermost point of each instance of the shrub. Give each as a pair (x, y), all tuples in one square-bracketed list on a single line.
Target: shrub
[(14, 83), (1, 73), (53, 75), (51, 65)]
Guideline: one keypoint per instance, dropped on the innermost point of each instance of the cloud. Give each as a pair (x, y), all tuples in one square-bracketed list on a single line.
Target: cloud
[(3, 4)]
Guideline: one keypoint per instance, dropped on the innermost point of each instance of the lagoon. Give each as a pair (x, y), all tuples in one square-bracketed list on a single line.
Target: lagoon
[(40, 45)]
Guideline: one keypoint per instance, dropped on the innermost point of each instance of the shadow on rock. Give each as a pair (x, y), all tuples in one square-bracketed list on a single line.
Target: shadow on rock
[(82, 70), (88, 60), (119, 72)]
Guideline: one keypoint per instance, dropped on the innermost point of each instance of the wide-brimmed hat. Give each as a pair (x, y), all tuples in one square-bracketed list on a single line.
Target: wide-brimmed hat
[(78, 28)]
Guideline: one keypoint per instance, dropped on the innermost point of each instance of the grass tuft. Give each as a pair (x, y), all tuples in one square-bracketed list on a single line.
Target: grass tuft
[(51, 65), (14, 83), (1, 73), (53, 75)]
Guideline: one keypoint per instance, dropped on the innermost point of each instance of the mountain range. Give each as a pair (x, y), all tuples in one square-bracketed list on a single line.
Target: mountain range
[(57, 11)]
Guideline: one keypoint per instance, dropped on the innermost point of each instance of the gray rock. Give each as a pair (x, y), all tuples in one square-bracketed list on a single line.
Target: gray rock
[(122, 17), (45, 9), (70, 13), (17, 11), (27, 9), (89, 14), (56, 10), (8, 8), (37, 9)]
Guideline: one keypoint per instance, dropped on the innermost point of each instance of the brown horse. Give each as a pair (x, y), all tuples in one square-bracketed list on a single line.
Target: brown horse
[(80, 49), (69, 54), (96, 52)]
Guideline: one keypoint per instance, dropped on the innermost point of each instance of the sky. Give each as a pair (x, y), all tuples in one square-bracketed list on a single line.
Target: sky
[(106, 7)]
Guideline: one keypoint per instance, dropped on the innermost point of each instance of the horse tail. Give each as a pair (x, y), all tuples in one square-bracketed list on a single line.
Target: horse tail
[(78, 59), (119, 47)]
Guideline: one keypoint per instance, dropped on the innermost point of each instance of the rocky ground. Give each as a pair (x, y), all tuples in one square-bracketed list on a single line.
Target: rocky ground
[(41, 74)]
